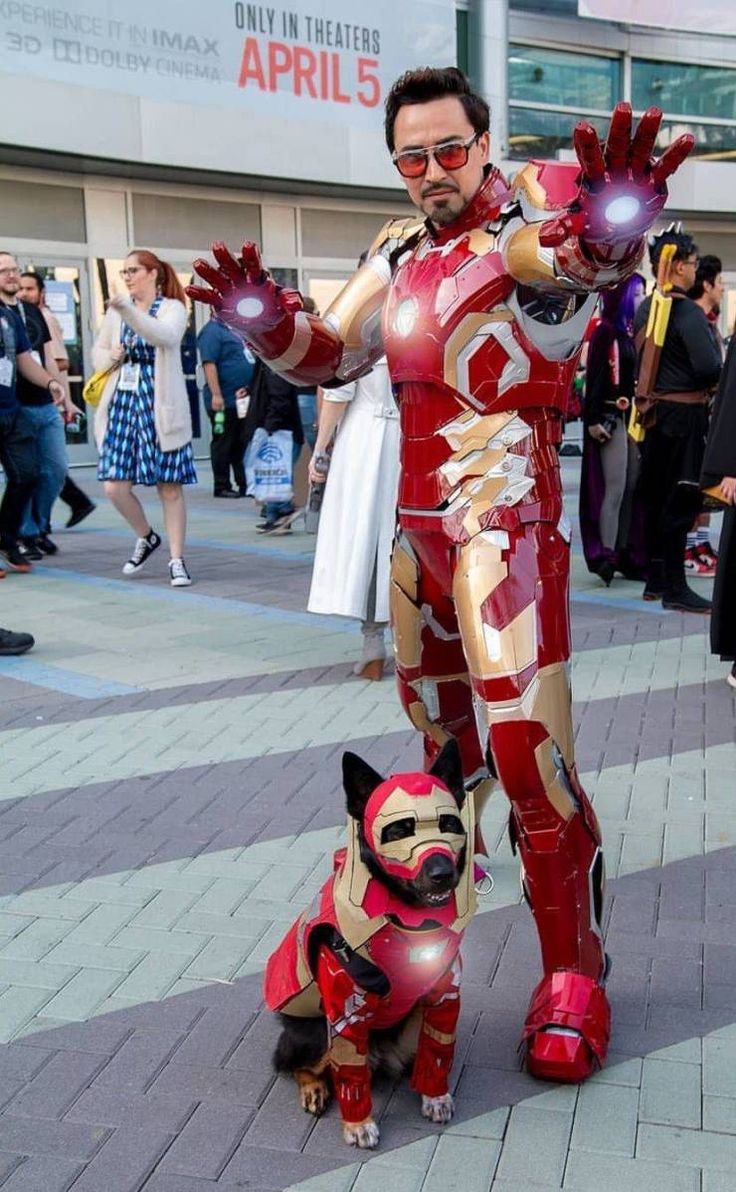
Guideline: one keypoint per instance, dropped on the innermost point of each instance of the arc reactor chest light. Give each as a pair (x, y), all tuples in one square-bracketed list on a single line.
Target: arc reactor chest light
[(405, 319)]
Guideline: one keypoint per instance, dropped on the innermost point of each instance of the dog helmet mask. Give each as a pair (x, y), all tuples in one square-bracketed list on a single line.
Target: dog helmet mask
[(411, 833)]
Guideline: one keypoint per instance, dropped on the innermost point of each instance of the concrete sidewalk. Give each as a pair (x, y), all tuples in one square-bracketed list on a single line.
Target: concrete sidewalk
[(169, 801)]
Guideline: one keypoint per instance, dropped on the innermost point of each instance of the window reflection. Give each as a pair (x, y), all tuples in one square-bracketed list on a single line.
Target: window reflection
[(579, 81), (684, 88), (541, 134)]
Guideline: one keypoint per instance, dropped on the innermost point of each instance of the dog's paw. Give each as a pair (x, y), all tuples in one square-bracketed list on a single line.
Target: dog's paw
[(438, 1109), (361, 1134), (313, 1097)]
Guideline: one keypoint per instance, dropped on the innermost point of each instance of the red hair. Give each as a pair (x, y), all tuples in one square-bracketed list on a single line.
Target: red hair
[(166, 280)]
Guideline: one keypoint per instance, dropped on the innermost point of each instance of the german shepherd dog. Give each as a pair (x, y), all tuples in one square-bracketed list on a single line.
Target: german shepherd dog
[(368, 976)]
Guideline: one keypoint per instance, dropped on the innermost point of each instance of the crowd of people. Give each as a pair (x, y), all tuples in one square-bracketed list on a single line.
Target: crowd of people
[(640, 494)]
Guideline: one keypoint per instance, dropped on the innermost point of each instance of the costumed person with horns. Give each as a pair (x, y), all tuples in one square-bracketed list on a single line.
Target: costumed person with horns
[(480, 306), (679, 367)]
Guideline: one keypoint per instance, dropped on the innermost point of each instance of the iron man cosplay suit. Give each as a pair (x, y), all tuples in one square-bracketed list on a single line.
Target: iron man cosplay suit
[(482, 322), (366, 959)]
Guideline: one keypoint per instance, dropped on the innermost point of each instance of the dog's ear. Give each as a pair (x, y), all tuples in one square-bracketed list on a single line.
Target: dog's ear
[(359, 780), (448, 768)]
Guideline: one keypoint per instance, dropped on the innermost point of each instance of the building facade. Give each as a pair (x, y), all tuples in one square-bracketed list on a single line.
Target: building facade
[(171, 125)]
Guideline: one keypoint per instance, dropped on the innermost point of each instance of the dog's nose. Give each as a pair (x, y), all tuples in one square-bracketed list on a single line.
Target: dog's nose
[(438, 869)]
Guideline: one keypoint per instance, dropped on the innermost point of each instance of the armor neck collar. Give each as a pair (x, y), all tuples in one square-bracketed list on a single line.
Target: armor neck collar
[(487, 202)]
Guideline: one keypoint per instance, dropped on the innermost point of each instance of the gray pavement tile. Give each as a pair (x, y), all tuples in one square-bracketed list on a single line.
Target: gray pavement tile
[(265, 1170), (59, 1083), (207, 1141), (28, 1136), (126, 1160), (43, 1173)]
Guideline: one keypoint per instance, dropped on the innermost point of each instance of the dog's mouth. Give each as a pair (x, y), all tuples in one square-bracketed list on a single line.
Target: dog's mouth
[(438, 898)]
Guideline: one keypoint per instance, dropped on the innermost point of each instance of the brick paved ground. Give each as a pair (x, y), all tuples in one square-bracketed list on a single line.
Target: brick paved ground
[(169, 800)]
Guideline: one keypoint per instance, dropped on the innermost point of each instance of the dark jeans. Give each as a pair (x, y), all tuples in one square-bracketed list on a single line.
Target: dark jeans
[(672, 498), (73, 496), (19, 458), (227, 451)]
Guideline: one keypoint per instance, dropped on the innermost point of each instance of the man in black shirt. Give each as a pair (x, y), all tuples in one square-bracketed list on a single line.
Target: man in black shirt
[(18, 452), (42, 415), (672, 451)]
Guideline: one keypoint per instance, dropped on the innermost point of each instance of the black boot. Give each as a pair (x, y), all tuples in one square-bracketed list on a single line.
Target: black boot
[(655, 585), (678, 597)]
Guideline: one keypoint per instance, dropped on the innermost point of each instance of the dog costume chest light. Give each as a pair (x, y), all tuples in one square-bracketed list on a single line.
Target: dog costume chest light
[(412, 946)]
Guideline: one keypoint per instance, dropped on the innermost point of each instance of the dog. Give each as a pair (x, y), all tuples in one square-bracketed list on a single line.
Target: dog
[(368, 976)]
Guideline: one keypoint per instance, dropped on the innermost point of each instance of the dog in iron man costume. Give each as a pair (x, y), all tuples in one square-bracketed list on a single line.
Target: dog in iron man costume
[(481, 310), (368, 976)]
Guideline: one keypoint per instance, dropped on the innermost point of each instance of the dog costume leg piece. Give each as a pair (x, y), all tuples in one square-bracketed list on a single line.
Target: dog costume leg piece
[(348, 1009), (436, 1046), (511, 597)]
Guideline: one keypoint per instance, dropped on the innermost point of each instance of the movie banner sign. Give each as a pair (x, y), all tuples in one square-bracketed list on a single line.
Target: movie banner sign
[(325, 60)]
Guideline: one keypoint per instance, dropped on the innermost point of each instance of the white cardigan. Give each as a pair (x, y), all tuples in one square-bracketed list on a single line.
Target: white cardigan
[(171, 410)]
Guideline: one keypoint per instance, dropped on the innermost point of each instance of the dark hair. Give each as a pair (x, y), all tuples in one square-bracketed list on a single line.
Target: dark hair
[(38, 280), (708, 269), (166, 280), (434, 82), (685, 246), (617, 305)]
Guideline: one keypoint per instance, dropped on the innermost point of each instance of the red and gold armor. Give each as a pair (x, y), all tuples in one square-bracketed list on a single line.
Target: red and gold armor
[(482, 321), (411, 952)]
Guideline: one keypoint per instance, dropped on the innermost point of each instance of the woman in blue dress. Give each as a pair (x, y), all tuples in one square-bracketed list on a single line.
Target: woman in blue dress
[(143, 423)]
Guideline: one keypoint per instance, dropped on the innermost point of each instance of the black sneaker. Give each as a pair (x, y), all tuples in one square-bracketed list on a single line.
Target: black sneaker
[(28, 547), (78, 515), (228, 493), (683, 600), (15, 643), (13, 558), (142, 551), (45, 545)]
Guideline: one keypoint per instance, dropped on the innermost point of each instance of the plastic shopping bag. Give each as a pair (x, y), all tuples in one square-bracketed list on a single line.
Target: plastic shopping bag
[(271, 460)]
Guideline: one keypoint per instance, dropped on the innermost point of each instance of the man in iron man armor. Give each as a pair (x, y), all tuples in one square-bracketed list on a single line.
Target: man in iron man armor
[(481, 308)]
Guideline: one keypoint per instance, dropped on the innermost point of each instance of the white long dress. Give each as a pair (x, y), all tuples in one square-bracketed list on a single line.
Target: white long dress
[(358, 517)]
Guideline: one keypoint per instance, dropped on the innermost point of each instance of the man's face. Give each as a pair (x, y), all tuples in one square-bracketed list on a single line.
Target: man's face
[(29, 291), (441, 194), (9, 276), (714, 293), (684, 271)]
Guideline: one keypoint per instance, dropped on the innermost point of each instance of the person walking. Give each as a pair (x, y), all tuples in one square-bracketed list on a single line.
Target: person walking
[(719, 469), (275, 406), (357, 522), (18, 441), (143, 424), (33, 292), (228, 368), (610, 457)]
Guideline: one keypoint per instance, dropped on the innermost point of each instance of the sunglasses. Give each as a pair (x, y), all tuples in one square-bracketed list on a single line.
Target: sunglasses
[(451, 155)]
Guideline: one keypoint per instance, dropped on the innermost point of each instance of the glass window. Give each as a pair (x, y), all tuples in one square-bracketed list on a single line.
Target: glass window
[(684, 88), (540, 134), (714, 141), (462, 43), (579, 81)]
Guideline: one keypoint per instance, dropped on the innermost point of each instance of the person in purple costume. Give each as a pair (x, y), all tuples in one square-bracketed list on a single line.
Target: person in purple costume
[(611, 522)]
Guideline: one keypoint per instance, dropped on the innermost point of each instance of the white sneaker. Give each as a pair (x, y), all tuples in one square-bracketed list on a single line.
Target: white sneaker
[(731, 676), (180, 577), (142, 551)]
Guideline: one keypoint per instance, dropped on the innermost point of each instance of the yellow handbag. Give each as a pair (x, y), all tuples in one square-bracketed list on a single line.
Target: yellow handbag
[(95, 386)]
